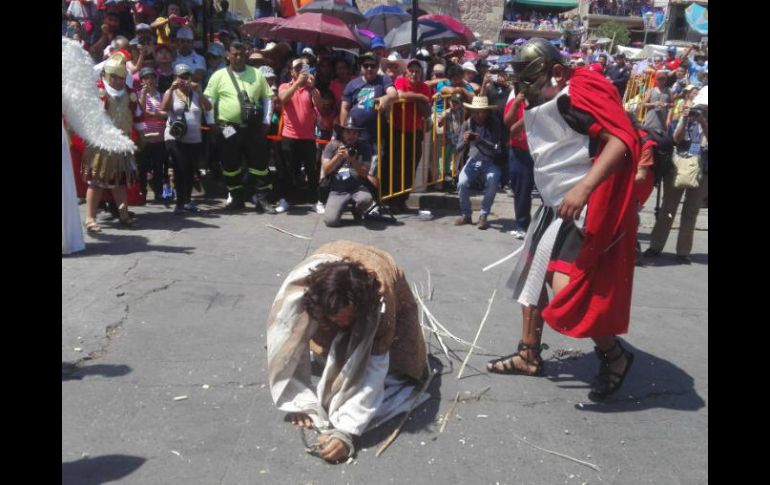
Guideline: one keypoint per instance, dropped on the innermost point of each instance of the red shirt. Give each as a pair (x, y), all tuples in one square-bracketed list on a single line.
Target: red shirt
[(672, 65), (337, 88), (298, 114), (520, 140), (403, 84)]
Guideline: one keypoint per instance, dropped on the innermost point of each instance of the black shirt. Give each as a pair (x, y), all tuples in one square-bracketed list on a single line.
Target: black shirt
[(619, 77)]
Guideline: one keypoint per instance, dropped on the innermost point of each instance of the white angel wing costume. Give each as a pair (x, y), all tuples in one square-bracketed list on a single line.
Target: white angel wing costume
[(85, 115)]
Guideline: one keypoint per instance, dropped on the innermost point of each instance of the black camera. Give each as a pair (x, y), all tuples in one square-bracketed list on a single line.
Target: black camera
[(698, 111), (250, 112), (178, 128), (352, 151)]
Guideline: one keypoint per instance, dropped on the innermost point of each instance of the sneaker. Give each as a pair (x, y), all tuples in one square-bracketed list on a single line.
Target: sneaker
[(518, 234), (234, 204), (319, 207), (651, 253), (189, 207), (462, 220), (483, 224), (261, 205), (282, 206), (178, 211), (683, 260)]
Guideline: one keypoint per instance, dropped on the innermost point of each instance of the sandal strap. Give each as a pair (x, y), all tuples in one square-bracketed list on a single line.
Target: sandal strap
[(536, 348), (604, 356)]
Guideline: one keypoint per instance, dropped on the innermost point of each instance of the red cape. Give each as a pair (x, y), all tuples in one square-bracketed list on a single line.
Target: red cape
[(597, 300)]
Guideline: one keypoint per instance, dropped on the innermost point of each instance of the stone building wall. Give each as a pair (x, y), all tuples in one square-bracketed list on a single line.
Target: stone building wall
[(482, 16)]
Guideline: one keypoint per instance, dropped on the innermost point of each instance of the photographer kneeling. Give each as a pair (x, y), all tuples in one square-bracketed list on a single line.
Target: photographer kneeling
[(347, 166)]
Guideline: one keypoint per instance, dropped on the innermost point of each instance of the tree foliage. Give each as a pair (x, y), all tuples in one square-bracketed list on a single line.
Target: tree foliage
[(620, 31)]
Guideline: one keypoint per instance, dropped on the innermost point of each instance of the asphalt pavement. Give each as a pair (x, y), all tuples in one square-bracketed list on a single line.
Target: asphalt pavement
[(164, 379)]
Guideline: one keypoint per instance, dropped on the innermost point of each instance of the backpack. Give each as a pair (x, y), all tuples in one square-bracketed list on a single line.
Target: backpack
[(662, 153)]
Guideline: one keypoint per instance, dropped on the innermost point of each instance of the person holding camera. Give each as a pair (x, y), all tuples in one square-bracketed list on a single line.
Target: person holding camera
[(152, 154), (300, 101), (482, 134), (183, 102), (347, 164), (691, 139), (242, 97)]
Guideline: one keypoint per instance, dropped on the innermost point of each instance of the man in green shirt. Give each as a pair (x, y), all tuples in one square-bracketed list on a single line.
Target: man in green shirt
[(239, 134)]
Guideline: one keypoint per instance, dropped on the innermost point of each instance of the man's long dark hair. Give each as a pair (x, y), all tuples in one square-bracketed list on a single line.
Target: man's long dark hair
[(335, 285)]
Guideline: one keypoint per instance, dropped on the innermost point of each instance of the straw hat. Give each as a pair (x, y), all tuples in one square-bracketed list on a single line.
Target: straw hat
[(479, 103), (394, 59)]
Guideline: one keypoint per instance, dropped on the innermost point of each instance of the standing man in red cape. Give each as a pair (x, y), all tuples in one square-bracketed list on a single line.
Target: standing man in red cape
[(585, 152)]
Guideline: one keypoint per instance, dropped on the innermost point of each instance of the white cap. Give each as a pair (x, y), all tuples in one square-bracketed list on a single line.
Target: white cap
[(308, 51), (468, 66)]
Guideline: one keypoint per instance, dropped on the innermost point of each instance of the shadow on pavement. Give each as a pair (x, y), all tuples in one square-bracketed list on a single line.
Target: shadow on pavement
[(71, 372), (668, 259), (123, 243), (100, 469), (651, 383), (422, 417)]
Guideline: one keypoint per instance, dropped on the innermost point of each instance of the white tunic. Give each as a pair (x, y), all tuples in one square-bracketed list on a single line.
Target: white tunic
[(560, 153), (561, 159)]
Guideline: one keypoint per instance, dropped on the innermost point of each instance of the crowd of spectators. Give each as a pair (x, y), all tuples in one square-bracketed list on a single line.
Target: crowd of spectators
[(282, 125)]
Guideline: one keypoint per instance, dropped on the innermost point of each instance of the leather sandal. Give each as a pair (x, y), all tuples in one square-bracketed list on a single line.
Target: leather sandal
[(125, 216), (609, 381), (92, 226), (510, 369)]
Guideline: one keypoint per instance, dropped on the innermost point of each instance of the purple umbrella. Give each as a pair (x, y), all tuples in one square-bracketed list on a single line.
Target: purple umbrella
[(519, 41)]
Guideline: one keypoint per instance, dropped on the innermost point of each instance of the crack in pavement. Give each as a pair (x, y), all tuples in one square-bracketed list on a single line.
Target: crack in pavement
[(111, 331)]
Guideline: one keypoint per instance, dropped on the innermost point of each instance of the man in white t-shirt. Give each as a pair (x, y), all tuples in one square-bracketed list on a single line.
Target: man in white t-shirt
[(186, 55)]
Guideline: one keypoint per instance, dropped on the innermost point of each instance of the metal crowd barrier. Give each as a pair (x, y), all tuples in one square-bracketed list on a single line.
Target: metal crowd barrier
[(636, 89), (432, 164)]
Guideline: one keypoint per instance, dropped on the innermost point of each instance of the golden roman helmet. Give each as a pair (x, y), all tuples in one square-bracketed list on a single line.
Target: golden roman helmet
[(116, 65), (535, 60)]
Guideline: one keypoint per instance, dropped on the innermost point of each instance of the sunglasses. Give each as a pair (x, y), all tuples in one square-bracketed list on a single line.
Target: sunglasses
[(369, 66)]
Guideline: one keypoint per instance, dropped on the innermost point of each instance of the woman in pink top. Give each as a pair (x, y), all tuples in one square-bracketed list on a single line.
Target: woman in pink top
[(409, 126), (337, 86)]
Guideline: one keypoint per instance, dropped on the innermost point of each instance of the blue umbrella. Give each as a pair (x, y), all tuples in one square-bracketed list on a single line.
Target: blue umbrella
[(427, 32), (698, 18), (505, 59), (383, 19)]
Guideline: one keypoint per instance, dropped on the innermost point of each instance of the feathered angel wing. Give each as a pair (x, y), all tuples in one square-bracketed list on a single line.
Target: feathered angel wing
[(80, 101)]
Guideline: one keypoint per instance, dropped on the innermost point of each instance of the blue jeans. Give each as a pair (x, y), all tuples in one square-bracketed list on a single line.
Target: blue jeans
[(521, 171), (474, 172)]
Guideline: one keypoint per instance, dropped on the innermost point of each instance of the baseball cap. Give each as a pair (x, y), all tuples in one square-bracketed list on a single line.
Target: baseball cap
[(468, 66), (267, 71), (216, 50), (184, 33), (367, 55), (134, 41), (377, 42), (307, 51), (146, 71), (181, 69), (439, 68)]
